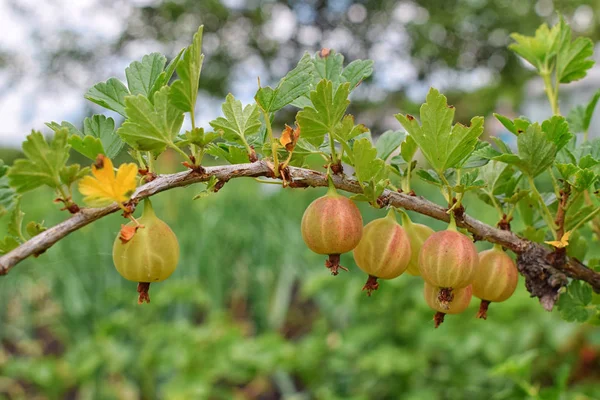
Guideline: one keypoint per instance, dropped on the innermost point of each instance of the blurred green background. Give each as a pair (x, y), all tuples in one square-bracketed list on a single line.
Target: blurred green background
[(251, 313)]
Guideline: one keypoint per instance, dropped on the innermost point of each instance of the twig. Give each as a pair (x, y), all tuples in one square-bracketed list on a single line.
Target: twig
[(550, 273)]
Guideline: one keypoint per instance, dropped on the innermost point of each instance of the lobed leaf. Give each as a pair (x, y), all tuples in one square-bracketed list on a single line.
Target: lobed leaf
[(294, 84), (151, 127), (366, 164), (388, 142), (580, 117), (185, 90), (42, 164), (443, 145), (239, 122), (110, 94), (142, 75), (327, 110), (572, 305)]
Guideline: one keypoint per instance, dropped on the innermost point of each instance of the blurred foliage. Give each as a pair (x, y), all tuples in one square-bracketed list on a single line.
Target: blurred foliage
[(251, 313)]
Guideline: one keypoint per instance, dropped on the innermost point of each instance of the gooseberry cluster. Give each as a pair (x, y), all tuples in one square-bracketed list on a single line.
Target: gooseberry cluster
[(447, 261)]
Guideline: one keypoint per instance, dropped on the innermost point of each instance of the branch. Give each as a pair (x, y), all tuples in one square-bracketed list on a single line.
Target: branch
[(543, 278)]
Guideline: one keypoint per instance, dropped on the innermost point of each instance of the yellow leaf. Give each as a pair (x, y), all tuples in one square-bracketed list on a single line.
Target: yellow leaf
[(563, 242), (104, 187)]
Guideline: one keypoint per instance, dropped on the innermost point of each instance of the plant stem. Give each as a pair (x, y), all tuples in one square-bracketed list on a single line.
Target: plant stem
[(589, 217), (193, 118), (595, 224), (183, 153), (406, 180), (333, 153), (554, 183), (495, 204), (551, 92), (448, 195), (273, 143), (140, 159), (545, 211), (150, 162)]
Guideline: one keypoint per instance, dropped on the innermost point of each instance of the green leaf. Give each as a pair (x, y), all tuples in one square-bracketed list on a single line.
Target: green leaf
[(103, 128), (430, 176), (165, 76), (576, 214), (573, 304), (67, 125), (327, 110), (584, 178), (197, 137), (536, 152), (151, 127), (8, 196), (8, 244), (43, 163), (210, 188), (15, 235), (238, 122), (141, 76), (567, 170), (388, 142), (578, 246), (499, 178), (98, 136), (469, 182), (588, 161), (518, 126), (231, 153), (443, 145), (329, 67), (357, 71), (366, 164), (408, 148), (480, 156), (88, 146), (557, 131), (110, 94), (72, 173), (573, 57), (16, 222), (580, 117), (538, 50), (296, 83), (185, 90), (346, 130), (35, 228)]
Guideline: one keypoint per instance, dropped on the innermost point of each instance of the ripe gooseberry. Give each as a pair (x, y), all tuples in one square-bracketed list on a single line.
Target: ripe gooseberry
[(446, 301), (448, 259), (384, 250), (151, 255), (496, 278), (332, 225), (417, 234)]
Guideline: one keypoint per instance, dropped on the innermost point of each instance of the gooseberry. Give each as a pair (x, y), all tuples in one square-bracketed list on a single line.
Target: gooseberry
[(496, 278), (383, 251), (447, 301), (151, 255), (332, 225)]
